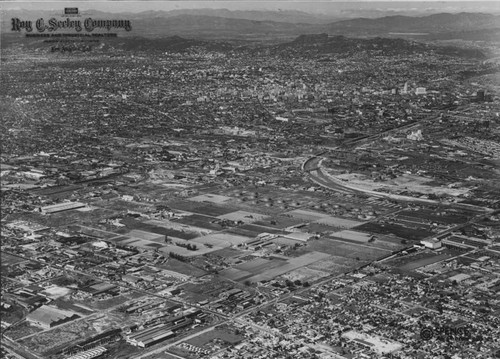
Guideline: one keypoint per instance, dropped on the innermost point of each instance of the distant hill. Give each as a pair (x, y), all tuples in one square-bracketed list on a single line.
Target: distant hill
[(323, 44), (221, 24), (211, 27), (307, 45), (436, 23), (224, 27), (280, 25), (290, 16)]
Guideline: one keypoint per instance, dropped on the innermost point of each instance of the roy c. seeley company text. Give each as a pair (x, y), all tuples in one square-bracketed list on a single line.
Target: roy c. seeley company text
[(54, 24)]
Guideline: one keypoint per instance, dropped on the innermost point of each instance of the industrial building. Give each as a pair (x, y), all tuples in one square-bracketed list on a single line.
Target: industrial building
[(60, 207), (150, 336), (90, 354), (48, 317)]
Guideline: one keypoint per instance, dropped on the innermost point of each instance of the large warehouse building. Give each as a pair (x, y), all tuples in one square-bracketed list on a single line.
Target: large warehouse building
[(48, 316)]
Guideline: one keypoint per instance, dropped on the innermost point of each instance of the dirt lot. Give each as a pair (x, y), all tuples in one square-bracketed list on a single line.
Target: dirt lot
[(344, 249), (222, 334), (397, 230), (7, 259), (182, 267), (206, 209)]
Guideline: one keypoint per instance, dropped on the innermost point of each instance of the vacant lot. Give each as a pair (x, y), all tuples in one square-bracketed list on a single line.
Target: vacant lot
[(395, 229), (339, 222), (420, 257), (307, 216), (207, 209), (260, 265), (182, 267), (22, 330), (424, 261), (222, 334), (290, 265), (347, 250), (7, 259), (213, 198), (243, 216), (220, 239), (279, 222), (305, 274), (133, 224), (200, 221)]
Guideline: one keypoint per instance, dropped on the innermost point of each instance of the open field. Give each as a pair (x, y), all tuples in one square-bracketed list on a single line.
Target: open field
[(243, 216), (259, 265), (206, 209), (424, 261), (343, 249), (279, 222), (290, 265), (199, 221), (209, 197), (183, 227), (395, 229), (338, 222), (182, 267), (149, 236), (307, 216), (22, 330), (222, 334), (305, 274), (252, 231), (154, 228), (220, 239), (235, 274), (8, 259), (352, 235), (419, 259)]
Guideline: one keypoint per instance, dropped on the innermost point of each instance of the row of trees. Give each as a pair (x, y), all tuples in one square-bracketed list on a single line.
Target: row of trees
[(178, 257)]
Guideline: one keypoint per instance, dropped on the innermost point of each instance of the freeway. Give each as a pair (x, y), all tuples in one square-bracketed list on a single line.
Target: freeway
[(316, 174), (312, 166)]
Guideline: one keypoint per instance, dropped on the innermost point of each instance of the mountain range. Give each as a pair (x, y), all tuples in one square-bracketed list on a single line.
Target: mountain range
[(318, 46), (223, 24)]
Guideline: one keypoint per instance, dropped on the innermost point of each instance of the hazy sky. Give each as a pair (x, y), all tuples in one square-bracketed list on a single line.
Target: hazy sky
[(327, 7)]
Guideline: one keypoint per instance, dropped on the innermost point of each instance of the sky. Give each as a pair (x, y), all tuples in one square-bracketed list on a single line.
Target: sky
[(314, 6)]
